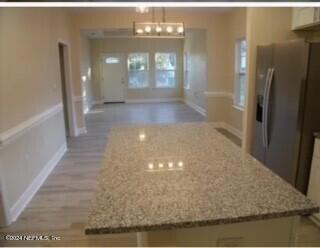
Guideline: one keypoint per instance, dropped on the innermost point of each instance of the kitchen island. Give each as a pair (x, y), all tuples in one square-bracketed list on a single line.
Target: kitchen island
[(188, 185)]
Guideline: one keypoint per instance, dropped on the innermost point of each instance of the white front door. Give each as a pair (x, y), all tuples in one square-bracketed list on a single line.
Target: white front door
[(113, 77)]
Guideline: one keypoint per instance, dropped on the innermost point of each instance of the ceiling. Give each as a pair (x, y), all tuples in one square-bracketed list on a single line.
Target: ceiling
[(189, 9)]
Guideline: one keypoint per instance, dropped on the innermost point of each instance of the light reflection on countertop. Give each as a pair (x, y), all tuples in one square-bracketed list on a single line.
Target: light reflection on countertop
[(210, 181), (164, 164)]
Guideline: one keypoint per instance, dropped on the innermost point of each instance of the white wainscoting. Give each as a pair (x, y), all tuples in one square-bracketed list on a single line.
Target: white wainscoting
[(196, 107), (229, 95), (27, 196), (151, 100), (18, 130), (81, 130), (15, 133)]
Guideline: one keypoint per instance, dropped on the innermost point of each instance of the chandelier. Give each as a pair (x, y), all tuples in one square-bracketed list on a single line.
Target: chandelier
[(142, 9), (158, 29)]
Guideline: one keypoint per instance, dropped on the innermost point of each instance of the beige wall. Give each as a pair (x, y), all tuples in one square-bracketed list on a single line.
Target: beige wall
[(131, 45), (30, 78), (220, 106), (195, 48), (30, 85), (211, 19), (30, 68), (264, 26), (236, 20)]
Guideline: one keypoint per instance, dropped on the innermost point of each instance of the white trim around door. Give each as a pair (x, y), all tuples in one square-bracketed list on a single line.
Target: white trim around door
[(72, 123)]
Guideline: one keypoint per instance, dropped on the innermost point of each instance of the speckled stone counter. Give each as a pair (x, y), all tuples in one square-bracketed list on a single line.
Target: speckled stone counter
[(184, 175)]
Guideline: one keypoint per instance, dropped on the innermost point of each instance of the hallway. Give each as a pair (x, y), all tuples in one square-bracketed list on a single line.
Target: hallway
[(60, 207)]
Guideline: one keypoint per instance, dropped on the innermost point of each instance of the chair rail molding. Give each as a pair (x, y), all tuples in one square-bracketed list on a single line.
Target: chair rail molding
[(11, 134), (196, 107), (209, 94)]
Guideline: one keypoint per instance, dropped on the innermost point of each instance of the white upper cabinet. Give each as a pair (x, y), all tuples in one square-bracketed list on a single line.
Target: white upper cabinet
[(305, 18)]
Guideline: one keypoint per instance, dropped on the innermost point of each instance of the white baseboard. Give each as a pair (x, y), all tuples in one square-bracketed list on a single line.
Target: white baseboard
[(151, 100), (196, 107), (86, 110), (229, 128), (154, 100), (96, 102), (81, 130), (315, 220), (27, 196)]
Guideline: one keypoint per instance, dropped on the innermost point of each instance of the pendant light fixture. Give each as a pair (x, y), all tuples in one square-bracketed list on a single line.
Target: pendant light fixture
[(158, 29)]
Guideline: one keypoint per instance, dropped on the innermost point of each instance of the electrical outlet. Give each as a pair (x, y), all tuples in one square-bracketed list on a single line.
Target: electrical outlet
[(230, 242)]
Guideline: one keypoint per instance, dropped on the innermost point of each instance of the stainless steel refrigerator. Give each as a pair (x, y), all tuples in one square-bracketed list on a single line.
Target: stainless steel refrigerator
[(287, 108)]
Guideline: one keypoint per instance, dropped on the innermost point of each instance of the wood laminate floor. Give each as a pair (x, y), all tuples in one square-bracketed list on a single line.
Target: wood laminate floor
[(60, 208)]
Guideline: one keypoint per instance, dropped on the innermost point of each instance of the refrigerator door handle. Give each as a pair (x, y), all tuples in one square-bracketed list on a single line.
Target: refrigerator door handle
[(267, 107), (264, 109)]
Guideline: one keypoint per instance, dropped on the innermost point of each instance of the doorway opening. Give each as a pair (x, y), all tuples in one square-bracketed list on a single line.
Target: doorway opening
[(66, 89)]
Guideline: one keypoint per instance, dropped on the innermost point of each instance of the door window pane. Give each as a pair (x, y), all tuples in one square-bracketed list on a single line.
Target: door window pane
[(112, 60)]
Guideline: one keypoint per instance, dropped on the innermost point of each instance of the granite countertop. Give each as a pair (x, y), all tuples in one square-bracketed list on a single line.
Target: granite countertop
[(168, 176)]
